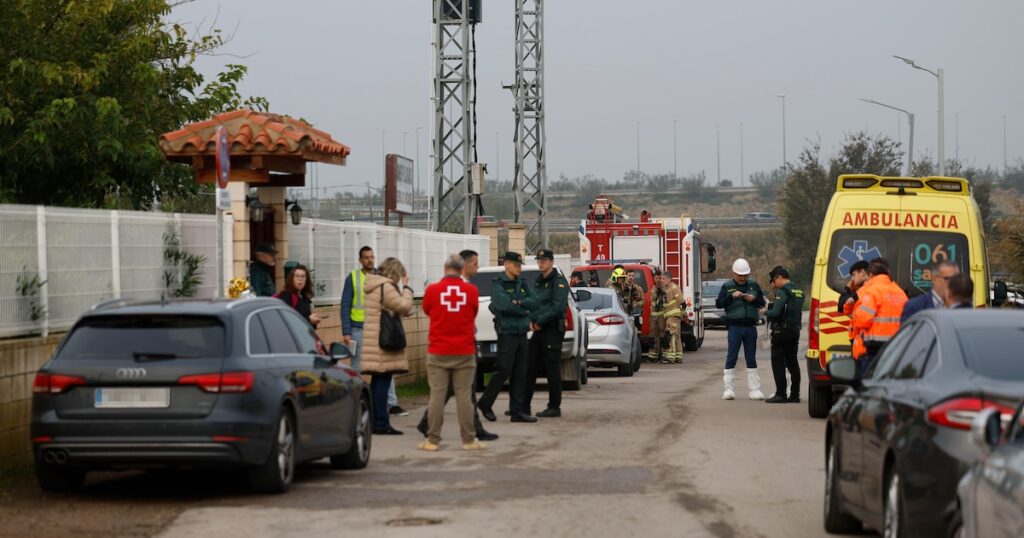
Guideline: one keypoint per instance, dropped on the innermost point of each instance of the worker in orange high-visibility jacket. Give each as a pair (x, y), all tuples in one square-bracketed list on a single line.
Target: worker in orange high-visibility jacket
[(876, 314)]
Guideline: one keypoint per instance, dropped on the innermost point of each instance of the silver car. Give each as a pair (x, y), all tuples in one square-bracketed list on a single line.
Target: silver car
[(991, 494), (613, 340)]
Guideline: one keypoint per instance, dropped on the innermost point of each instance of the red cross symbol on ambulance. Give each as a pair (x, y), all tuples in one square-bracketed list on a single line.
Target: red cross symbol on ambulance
[(453, 298)]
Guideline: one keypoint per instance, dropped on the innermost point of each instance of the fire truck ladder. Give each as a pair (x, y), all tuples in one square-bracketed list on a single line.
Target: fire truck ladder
[(531, 182)]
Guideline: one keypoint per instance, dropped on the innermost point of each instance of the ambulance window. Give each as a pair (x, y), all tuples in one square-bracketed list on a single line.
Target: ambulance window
[(911, 255)]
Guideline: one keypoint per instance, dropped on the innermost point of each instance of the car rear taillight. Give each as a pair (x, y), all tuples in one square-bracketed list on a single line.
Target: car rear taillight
[(959, 412), (611, 319), (45, 383), (812, 329), (568, 319), (220, 382)]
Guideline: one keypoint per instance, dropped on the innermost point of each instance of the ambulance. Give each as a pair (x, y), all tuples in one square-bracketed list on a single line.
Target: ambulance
[(913, 223)]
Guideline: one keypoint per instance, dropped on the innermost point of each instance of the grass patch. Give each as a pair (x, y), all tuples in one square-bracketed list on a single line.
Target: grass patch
[(419, 388)]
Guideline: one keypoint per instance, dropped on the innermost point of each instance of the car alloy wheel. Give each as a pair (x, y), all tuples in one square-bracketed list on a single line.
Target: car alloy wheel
[(286, 449), (891, 524), (363, 432)]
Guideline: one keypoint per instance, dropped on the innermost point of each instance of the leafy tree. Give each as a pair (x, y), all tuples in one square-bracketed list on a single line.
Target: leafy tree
[(86, 89), (810, 185), (769, 183)]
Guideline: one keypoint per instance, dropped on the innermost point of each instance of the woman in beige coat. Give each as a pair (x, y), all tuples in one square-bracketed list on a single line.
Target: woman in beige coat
[(382, 292)]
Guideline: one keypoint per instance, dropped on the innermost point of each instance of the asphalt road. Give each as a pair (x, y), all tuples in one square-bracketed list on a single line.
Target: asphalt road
[(658, 454)]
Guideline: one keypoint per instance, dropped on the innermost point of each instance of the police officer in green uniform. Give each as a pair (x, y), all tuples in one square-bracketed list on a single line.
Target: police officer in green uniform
[(784, 321), (261, 270), (551, 293), (511, 304)]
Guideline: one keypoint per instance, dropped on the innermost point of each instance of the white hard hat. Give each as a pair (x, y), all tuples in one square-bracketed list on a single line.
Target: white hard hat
[(741, 267)]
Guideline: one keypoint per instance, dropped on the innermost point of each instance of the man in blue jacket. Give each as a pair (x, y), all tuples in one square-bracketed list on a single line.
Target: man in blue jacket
[(941, 273), (741, 299)]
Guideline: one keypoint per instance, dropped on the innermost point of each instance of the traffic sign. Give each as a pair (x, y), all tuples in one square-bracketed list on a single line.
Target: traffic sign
[(223, 157)]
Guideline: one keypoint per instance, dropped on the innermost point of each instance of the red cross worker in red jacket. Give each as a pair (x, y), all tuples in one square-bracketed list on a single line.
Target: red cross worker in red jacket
[(452, 305)]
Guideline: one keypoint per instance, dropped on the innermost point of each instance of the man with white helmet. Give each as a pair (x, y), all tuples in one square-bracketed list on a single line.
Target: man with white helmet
[(741, 299)]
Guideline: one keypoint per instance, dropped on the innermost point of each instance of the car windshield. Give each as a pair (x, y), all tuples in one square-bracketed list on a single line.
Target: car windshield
[(911, 255), (483, 281), (994, 352), (145, 338), (598, 301)]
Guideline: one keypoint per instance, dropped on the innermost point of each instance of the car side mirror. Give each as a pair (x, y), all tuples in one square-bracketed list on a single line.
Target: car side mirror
[(987, 428), (1000, 293), (339, 351), (583, 295), (712, 261), (845, 370)]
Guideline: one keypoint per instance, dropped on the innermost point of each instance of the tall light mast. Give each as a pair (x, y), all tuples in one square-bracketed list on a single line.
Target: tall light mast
[(531, 182)]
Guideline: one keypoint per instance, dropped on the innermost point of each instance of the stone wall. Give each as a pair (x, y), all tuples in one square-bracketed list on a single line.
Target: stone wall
[(21, 358)]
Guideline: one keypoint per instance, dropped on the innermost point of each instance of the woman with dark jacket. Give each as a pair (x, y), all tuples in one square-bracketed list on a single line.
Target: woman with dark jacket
[(298, 293), (387, 290)]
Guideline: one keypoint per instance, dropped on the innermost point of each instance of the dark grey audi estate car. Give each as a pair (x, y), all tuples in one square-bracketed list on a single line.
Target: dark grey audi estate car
[(242, 383)]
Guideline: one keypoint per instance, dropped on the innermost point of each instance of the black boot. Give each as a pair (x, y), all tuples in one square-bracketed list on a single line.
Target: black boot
[(776, 399)]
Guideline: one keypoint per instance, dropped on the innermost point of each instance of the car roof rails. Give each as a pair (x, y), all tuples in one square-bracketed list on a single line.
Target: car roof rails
[(113, 303)]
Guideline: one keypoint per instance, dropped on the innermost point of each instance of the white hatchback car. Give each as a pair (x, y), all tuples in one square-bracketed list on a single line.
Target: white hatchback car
[(574, 344)]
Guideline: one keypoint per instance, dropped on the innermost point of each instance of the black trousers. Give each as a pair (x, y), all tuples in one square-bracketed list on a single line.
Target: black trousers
[(511, 363), (784, 349), (545, 352), (451, 392)]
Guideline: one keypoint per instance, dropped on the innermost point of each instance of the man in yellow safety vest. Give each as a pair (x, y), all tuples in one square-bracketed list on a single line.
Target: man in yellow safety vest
[(352, 304)]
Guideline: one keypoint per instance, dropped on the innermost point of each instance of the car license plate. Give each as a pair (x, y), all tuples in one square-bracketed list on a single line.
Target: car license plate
[(841, 356), (132, 398)]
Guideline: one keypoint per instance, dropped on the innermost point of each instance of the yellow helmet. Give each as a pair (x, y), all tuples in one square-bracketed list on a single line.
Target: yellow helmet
[(618, 273)]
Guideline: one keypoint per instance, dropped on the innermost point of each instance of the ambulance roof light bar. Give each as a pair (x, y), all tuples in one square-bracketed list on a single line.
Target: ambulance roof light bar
[(949, 185)]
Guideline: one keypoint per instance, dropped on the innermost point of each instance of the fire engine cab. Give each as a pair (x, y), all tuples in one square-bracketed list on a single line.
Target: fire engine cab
[(608, 238)]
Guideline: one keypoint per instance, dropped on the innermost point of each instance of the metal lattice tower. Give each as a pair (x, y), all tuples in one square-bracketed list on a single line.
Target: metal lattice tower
[(454, 139), (531, 180)]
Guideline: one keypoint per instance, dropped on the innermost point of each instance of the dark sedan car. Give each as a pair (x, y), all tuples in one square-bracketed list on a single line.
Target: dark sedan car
[(898, 441), (199, 383)]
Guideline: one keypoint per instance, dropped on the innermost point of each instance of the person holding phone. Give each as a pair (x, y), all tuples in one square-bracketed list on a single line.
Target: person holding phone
[(741, 299), (298, 293)]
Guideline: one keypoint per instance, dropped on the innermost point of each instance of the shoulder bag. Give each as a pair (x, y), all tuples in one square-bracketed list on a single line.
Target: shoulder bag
[(392, 334)]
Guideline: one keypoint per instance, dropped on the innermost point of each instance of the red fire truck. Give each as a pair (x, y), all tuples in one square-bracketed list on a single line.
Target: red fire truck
[(608, 238)]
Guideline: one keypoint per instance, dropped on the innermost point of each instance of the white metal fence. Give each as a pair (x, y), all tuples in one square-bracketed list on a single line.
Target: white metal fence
[(331, 249), (57, 262)]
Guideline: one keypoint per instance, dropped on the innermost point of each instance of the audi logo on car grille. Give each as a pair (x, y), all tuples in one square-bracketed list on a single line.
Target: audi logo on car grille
[(131, 373)]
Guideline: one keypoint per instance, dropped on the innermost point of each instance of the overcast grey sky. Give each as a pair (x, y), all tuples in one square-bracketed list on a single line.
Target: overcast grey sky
[(357, 68)]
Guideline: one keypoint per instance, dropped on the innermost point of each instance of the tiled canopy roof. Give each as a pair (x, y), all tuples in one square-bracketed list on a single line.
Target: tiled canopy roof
[(255, 133)]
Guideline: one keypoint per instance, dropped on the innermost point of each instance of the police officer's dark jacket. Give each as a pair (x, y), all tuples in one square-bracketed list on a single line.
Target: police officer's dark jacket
[(551, 296), (739, 311), (788, 307), (511, 302)]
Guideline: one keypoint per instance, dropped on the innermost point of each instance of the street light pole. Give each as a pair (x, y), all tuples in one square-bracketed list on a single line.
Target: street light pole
[(783, 97), (638, 147), (675, 148), (419, 184), (939, 74), (404, 136), (742, 175), (1006, 168), (910, 119), (718, 154)]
